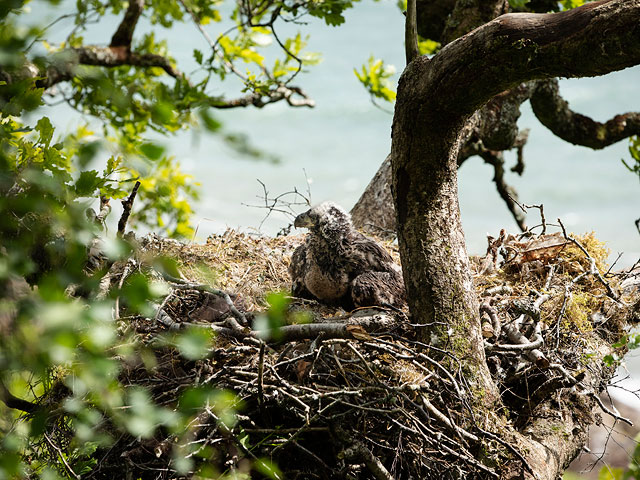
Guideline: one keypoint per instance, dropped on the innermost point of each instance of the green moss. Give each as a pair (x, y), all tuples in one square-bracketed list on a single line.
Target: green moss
[(579, 308), (596, 248)]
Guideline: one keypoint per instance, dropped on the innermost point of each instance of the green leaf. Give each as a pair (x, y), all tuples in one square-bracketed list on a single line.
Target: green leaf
[(112, 165), (428, 47), (87, 183), (269, 325), (278, 304), (194, 343), (87, 153), (330, 11), (45, 129), (375, 78), (225, 404), (610, 473), (610, 360), (195, 398), (268, 468), (569, 4), (136, 292), (167, 265), (210, 123), (152, 151), (163, 113)]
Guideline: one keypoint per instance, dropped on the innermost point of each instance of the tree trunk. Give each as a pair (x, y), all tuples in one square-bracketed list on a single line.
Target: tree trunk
[(374, 212), (432, 245), (436, 99), (497, 128)]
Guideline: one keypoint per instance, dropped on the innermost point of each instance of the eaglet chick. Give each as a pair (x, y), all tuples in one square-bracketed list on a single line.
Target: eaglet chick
[(337, 264)]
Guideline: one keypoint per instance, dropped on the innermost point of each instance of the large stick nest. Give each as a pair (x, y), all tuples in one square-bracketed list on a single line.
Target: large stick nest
[(356, 394)]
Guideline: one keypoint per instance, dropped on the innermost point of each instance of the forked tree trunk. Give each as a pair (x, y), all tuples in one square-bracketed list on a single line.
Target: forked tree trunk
[(436, 99)]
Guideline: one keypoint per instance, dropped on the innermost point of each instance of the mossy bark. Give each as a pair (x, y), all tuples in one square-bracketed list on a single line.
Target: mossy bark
[(436, 100)]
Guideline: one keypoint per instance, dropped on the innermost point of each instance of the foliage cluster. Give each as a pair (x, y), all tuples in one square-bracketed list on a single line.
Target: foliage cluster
[(58, 337), (634, 149)]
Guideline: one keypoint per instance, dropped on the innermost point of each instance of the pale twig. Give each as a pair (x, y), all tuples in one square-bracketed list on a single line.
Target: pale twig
[(62, 457), (592, 263), (281, 203), (605, 409), (450, 425), (542, 219)]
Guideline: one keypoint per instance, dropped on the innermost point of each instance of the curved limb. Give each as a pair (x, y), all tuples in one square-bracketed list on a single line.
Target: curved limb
[(554, 112)]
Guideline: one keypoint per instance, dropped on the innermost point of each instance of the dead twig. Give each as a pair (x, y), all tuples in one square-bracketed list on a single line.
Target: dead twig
[(605, 409), (62, 457), (592, 263), (127, 204)]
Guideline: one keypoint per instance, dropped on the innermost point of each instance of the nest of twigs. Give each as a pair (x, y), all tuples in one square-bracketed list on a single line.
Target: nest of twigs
[(356, 394)]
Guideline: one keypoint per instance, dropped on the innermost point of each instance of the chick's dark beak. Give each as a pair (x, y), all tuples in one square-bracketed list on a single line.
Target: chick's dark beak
[(303, 220)]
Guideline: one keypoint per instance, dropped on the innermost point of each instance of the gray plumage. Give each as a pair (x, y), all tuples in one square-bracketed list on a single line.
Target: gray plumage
[(338, 265)]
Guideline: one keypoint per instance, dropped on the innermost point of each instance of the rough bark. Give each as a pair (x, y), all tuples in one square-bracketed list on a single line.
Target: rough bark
[(471, 14), (436, 99), (432, 17), (436, 15), (555, 114), (435, 262), (124, 34), (374, 212), (497, 129)]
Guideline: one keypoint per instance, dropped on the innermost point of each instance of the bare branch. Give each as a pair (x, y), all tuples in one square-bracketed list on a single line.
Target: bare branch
[(12, 401), (259, 100), (506, 191), (554, 113), (411, 32), (613, 412), (63, 65), (62, 457), (357, 451), (126, 209), (450, 425), (516, 48), (124, 34)]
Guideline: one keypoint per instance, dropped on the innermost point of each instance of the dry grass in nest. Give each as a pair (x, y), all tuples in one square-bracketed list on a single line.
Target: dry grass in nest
[(245, 265)]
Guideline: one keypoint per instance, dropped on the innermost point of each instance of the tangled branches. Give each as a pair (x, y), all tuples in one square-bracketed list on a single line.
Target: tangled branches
[(373, 406), (355, 394)]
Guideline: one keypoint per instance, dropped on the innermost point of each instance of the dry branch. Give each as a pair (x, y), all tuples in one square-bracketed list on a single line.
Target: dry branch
[(124, 34), (12, 401), (126, 209)]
